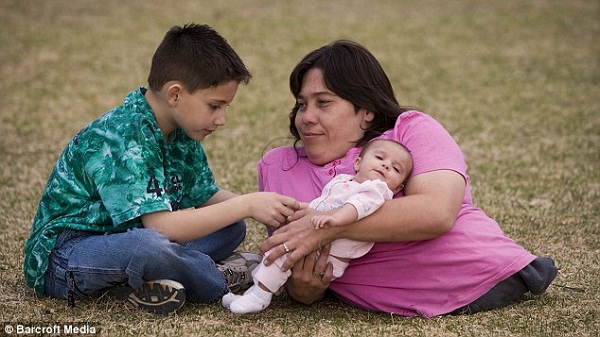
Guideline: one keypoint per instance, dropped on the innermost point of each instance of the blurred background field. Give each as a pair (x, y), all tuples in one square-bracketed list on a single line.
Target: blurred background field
[(516, 82)]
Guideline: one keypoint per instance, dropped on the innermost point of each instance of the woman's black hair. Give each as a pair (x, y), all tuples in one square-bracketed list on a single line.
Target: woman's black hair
[(354, 74)]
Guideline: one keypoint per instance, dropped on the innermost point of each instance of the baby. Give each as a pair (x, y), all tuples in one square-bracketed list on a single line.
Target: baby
[(381, 171)]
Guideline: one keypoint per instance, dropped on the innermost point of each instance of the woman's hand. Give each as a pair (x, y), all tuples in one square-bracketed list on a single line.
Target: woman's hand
[(310, 277), (299, 238), (307, 251)]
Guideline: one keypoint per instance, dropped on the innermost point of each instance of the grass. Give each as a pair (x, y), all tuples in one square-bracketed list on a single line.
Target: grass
[(517, 83)]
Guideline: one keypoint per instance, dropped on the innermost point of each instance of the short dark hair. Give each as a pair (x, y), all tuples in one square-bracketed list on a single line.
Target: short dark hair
[(198, 57), (353, 73)]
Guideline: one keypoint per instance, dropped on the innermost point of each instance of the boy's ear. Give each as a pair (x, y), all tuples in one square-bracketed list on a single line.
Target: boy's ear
[(172, 93)]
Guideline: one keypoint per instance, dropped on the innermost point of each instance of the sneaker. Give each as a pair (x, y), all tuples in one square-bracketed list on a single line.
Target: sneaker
[(162, 297), (237, 269)]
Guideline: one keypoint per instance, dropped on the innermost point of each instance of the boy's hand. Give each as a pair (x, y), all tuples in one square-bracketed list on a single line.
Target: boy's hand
[(270, 208)]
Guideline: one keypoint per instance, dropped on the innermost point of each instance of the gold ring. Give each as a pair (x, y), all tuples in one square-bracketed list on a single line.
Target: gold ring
[(317, 273), (287, 250)]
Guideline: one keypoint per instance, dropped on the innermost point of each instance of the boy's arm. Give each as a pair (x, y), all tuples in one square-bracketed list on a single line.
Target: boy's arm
[(218, 197), (190, 224)]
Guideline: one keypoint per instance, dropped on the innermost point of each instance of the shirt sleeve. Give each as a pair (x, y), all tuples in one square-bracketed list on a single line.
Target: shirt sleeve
[(126, 168), (369, 196), (429, 143)]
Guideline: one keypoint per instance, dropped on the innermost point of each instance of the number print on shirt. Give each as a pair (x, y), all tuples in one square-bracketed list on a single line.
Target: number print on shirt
[(153, 186), (172, 187)]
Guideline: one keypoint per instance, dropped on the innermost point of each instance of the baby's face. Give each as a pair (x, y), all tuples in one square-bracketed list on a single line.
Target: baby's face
[(384, 160)]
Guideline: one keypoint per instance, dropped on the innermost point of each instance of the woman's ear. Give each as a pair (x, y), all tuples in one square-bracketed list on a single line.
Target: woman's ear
[(368, 117)]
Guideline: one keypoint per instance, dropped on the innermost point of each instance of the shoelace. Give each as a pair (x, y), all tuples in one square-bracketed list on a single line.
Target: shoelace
[(235, 276)]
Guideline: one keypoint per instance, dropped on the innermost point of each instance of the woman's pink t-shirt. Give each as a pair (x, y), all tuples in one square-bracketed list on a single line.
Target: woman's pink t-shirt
[(425, 278)]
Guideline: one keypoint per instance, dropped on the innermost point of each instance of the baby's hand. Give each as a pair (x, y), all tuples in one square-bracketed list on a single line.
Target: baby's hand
[(321, 221)]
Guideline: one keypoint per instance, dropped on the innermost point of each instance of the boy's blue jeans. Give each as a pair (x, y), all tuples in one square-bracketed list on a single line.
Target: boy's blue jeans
[(90, 262)]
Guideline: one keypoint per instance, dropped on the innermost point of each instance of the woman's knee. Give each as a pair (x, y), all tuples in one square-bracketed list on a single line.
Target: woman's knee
[(539, 274), (507, 292)]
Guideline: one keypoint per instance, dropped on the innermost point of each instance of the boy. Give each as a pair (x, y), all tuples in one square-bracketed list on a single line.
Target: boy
[(131, 205)]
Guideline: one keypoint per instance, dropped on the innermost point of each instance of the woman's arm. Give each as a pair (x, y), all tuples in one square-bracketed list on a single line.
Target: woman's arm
[(428, 210), (223, 209)]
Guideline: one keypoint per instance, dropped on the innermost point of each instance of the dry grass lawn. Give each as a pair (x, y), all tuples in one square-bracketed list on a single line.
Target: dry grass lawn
[(516, 82)]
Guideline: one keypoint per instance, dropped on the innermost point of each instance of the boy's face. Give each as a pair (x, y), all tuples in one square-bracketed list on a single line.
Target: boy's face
[(201, 113), (385, 161)]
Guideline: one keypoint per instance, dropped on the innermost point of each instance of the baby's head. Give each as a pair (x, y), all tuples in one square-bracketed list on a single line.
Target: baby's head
[(386, 160)]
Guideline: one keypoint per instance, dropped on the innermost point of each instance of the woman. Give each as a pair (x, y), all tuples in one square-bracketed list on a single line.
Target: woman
[(435, 252)]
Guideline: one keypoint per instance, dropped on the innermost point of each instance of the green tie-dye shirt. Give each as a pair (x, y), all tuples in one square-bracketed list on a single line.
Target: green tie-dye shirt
[(113, 171)]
